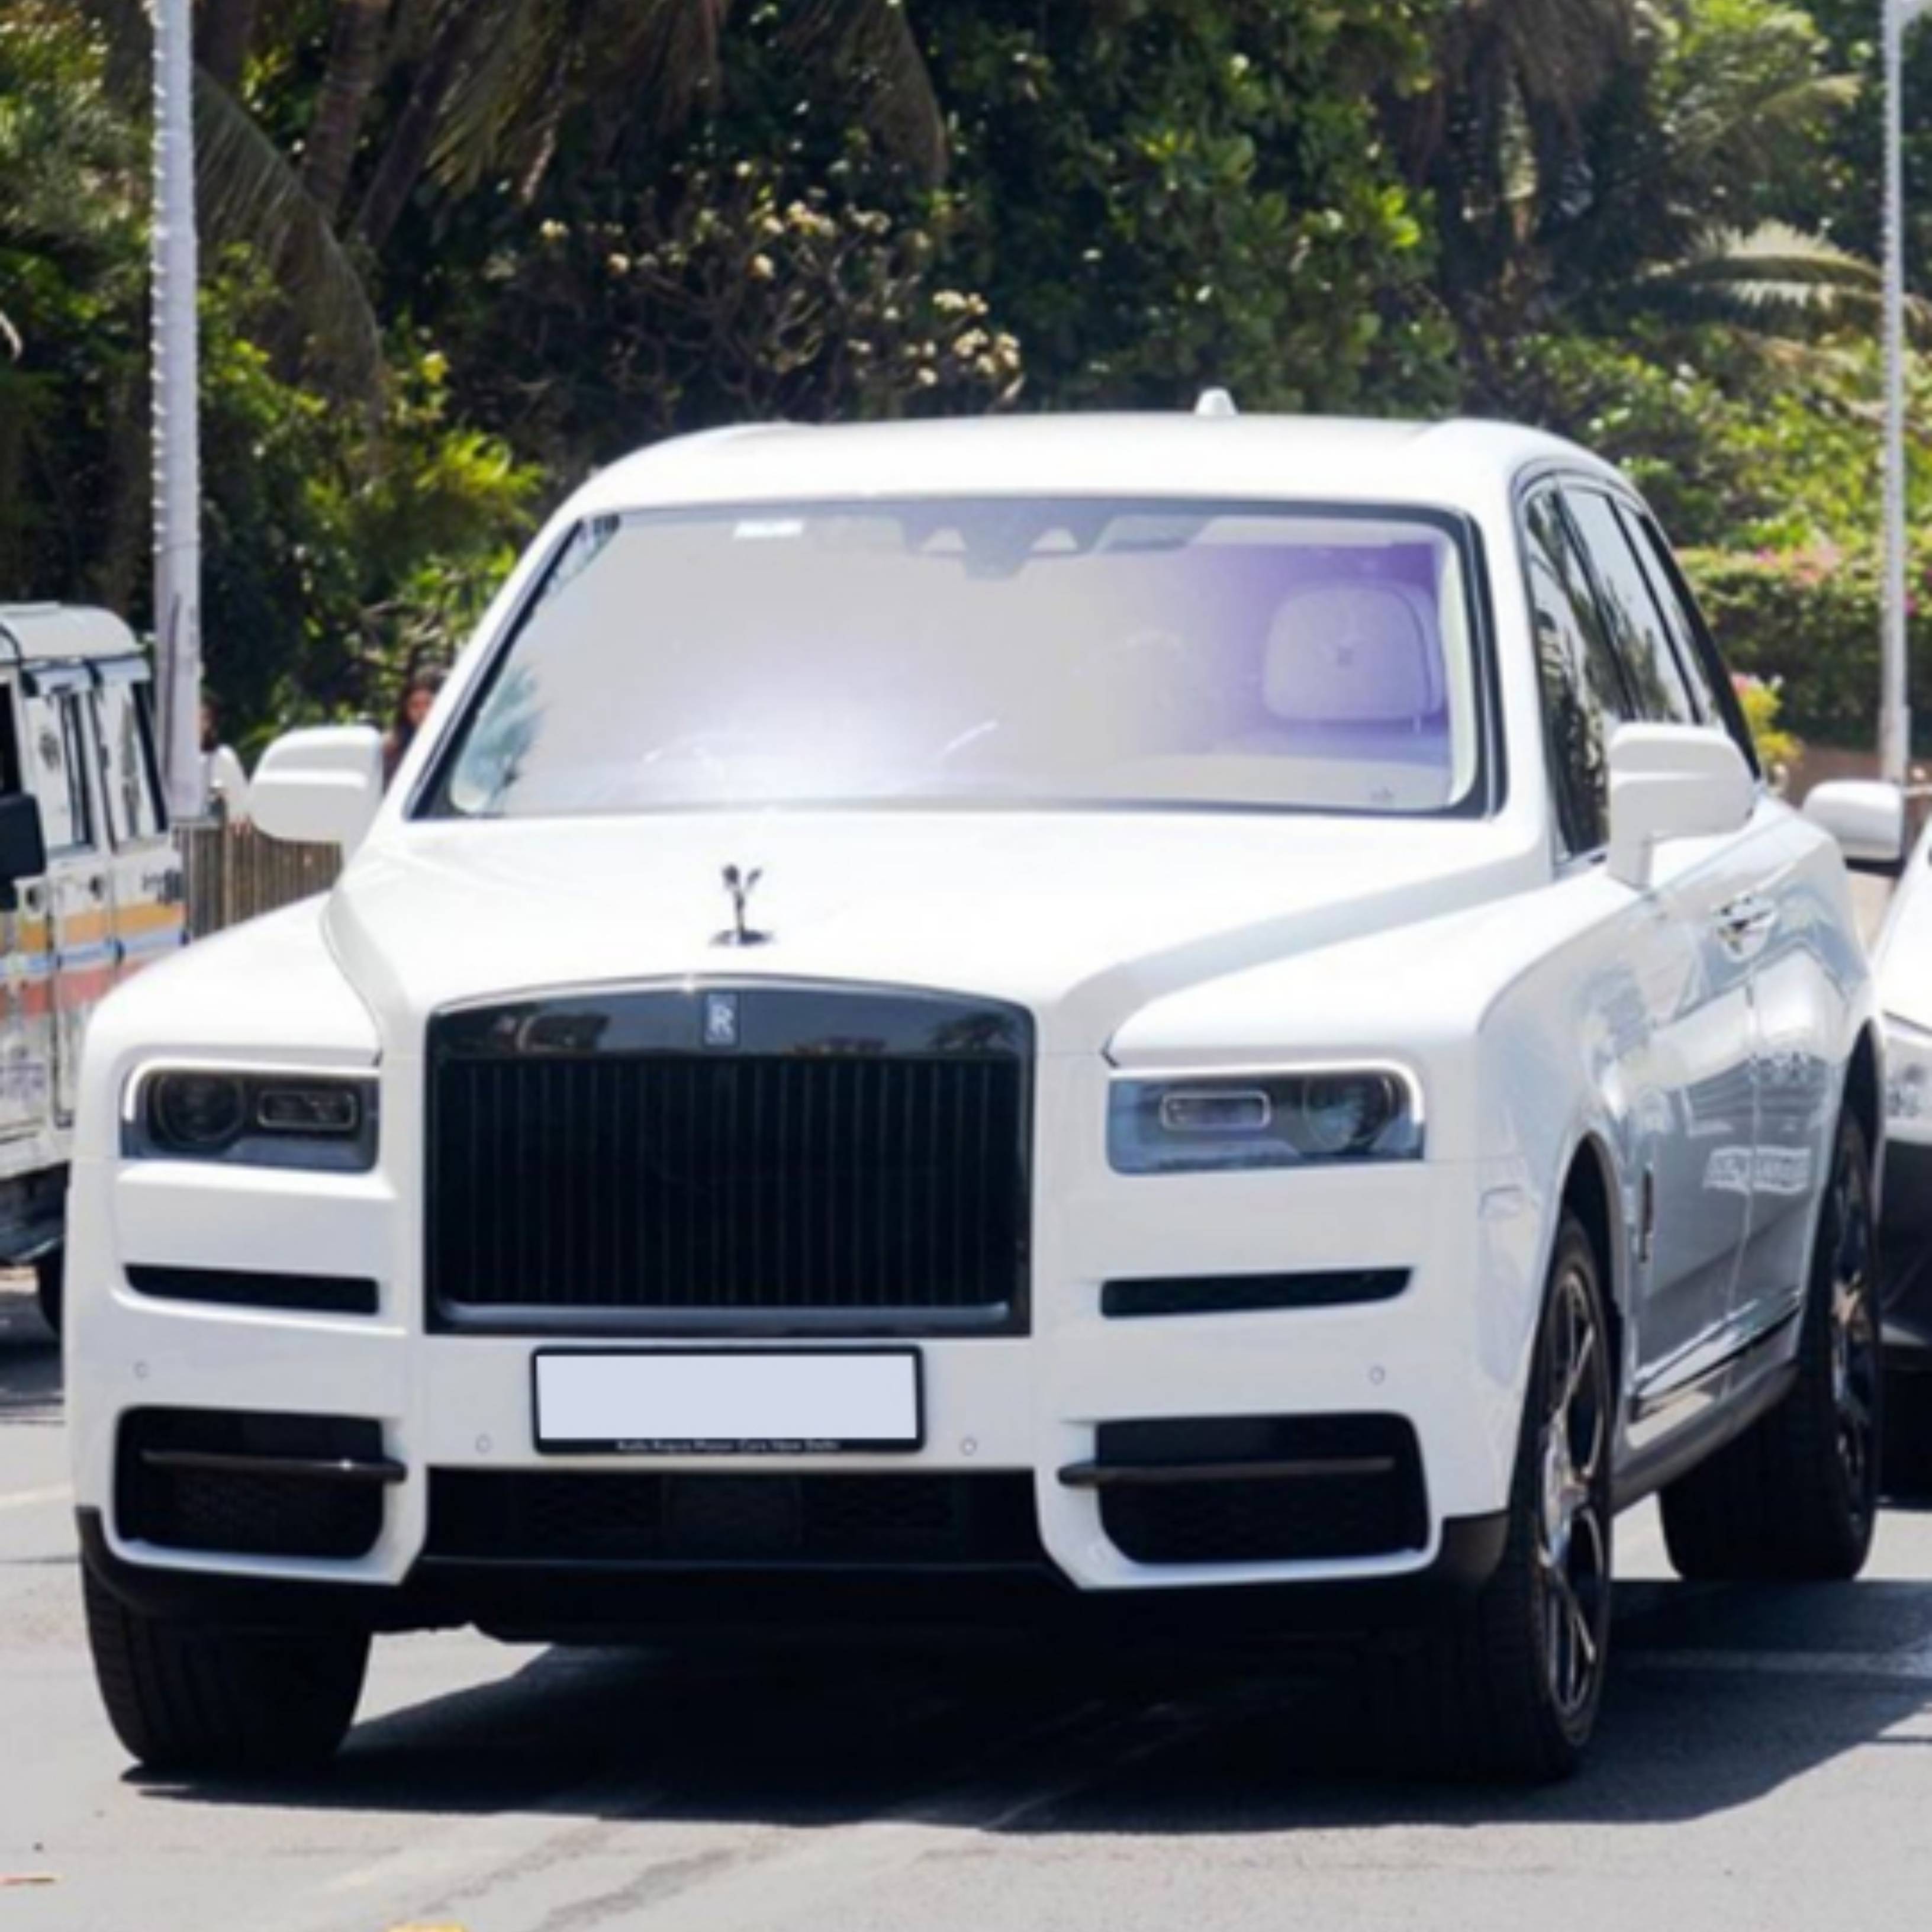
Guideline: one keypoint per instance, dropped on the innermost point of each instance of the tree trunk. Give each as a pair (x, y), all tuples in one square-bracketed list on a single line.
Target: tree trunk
[(356, 51), (224, 38), (402, 163)]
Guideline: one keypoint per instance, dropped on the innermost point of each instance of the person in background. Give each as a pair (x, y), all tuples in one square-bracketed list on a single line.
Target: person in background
[(224, 779), (411, 708)]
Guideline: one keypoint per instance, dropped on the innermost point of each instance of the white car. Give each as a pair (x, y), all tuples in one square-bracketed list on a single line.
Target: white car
[(1122, 1017), (1869, 818)]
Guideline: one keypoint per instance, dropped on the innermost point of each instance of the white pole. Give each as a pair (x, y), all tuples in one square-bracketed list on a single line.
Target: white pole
[(177, 413), (1894, 727)]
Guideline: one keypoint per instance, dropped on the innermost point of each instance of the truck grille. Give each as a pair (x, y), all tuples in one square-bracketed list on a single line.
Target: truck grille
[(836, 1160)]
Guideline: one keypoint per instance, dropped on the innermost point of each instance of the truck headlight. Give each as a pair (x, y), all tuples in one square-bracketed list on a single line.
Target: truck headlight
[(1186, 1123), (1908, 1074), (254, 1119)]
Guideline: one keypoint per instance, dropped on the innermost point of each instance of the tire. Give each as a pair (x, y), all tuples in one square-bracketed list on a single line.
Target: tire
[(1507, 1689), (50, 1286), (1794, 1498), (200, 1697)]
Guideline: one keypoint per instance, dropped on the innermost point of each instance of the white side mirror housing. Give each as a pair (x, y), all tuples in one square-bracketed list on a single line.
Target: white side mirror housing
[(1672, 782), (1866, 817), (319, 787)]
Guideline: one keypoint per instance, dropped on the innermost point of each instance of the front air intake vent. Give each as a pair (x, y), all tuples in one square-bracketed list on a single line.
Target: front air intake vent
[(244, 1483)]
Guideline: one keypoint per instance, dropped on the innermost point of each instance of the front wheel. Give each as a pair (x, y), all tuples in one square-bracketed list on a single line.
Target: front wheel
[(204, 1697), (1509, 1688), (1794, 1498)]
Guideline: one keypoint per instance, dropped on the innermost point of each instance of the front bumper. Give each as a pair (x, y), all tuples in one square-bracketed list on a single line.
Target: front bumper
[(1447, 1356)]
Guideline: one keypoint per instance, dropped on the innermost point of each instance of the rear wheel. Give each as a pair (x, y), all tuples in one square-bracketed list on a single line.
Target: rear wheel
[(1509, 1688), (1795, 1497), (50, 1285), (202, 1697)]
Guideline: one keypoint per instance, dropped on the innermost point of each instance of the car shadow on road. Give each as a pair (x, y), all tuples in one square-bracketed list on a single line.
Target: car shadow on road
[(1718, 1696)]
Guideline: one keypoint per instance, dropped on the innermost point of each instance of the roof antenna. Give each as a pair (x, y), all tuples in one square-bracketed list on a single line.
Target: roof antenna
[(1216, 403)]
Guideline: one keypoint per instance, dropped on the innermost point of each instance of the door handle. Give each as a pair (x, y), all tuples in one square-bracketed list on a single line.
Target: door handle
[(1746, 921)]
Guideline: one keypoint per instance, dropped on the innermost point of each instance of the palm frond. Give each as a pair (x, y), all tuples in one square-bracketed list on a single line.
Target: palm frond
[(1776, 273), (250, 192)]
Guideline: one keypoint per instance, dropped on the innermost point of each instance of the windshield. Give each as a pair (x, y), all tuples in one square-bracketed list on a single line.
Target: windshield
[(1035, 652)]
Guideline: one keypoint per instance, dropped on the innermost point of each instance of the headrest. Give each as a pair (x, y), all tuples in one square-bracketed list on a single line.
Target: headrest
[(1353, 654)]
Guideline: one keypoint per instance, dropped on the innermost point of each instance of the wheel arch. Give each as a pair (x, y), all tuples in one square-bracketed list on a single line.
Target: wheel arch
[(1590, 1192)]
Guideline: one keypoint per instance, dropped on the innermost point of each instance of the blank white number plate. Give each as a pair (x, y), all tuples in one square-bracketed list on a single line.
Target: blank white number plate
[(691, 1402)]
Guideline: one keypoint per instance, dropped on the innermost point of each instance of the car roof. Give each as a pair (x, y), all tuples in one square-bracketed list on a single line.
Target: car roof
[(35, 632), (1451, 465)]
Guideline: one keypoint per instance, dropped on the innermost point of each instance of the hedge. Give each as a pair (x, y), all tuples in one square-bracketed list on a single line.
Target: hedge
[(1810, 618)]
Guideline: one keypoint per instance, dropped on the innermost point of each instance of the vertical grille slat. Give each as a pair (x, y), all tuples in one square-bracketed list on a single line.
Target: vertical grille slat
[(588, 1156)]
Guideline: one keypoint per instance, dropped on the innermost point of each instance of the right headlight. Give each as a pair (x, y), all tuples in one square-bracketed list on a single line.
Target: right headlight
[(1908, 1074), (1184, 1123), (252, 1117)]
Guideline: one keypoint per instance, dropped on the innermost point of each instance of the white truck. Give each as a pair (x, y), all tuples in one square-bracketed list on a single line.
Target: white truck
[(90, 890)]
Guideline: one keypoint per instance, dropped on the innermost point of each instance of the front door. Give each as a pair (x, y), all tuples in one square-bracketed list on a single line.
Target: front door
[(1675, 996)]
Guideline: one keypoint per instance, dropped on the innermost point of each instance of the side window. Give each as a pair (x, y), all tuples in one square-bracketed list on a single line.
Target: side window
[(1631, 612), (128, 762), (55, 758), (1584, 698), (1696, 652)]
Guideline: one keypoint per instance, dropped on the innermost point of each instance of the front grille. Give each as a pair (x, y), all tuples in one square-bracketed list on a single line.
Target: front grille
[(847, 1159), (1324, 1488), (763, 1521), (246, 1509)]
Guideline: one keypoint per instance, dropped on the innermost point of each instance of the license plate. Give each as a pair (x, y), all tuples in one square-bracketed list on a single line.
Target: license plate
[(739, 1402)]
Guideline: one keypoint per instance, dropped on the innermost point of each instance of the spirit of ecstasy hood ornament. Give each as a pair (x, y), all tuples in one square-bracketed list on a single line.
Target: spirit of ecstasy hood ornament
[(740, 885)]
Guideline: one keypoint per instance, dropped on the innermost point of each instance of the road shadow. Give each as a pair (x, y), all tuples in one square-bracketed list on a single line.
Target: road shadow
[(1718, 1696), (30, 1365)]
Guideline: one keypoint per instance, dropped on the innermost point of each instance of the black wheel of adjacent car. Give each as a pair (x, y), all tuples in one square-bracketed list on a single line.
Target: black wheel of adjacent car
[(1509, 1688), (199, 1697), (50, 1284), (1795, 1497)]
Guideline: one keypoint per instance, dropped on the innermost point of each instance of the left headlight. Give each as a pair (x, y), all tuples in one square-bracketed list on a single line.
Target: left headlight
[(1186, 1124), (251, 1118)]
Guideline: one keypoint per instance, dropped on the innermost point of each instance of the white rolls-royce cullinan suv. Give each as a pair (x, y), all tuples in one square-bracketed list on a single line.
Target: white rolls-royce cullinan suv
[(1128, 1017)]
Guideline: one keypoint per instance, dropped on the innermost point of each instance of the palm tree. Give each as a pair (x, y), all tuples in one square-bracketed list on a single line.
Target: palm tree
[(493, 80)]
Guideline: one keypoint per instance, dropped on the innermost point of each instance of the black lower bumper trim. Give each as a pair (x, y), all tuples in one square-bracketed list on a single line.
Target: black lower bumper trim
[(561, 1601)]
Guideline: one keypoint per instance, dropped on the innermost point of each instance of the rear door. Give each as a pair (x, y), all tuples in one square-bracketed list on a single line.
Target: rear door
[(70, 908), (144, 868)]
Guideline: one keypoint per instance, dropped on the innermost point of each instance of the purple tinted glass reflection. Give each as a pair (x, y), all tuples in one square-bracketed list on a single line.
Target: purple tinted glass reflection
[(1028, 652)]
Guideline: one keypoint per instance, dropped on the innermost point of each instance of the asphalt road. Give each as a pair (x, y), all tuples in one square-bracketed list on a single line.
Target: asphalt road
[(1765, 1762)]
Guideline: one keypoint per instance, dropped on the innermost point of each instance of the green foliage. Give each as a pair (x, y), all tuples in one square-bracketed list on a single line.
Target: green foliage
[(551, 230), (1163, 194), (1761, 700), (1809, 618)]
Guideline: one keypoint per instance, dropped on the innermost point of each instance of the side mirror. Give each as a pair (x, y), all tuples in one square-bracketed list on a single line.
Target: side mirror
[(319, 787), (1672, 782), (23, 845), (1866, 817)]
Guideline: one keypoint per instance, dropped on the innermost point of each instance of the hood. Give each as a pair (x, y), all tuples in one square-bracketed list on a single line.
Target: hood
[(1081, 917)]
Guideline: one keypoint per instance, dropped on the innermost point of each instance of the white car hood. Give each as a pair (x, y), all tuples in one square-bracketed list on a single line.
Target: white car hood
[(1081, 917)]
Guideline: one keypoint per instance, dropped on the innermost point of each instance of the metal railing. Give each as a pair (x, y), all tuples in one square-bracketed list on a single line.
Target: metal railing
[(233, 872)]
